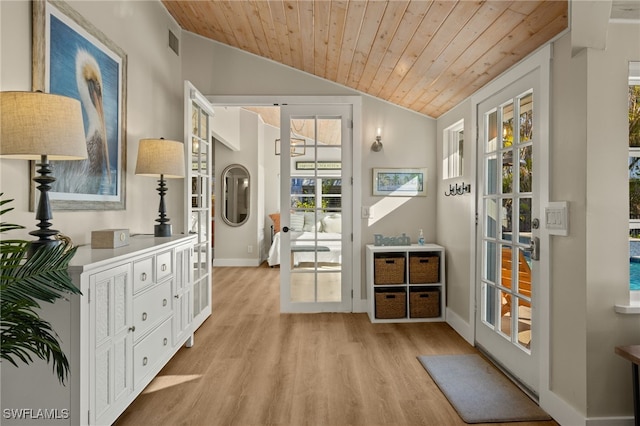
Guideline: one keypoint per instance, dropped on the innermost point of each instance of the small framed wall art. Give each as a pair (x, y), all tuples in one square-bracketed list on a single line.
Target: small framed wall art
[(400, 182)]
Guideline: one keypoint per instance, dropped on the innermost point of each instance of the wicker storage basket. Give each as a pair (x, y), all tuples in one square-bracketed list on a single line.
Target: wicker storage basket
[(388, 269), (423, 268), (391, 303), (424, 303)]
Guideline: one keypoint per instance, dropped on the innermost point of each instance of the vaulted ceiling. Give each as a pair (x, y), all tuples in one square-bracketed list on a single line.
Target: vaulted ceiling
[(426, 56)]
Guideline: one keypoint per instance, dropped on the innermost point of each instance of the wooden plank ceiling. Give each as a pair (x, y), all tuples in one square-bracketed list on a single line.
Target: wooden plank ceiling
[(426, 56)]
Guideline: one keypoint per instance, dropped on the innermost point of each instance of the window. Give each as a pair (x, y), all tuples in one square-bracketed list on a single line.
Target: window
[(453, 141), (304, 194)]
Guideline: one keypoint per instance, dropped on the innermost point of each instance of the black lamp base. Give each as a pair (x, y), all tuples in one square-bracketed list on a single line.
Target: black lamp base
[(163, 230), (46, 235)]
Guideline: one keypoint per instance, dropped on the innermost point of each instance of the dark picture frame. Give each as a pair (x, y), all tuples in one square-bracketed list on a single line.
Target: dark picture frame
[(71, 57)]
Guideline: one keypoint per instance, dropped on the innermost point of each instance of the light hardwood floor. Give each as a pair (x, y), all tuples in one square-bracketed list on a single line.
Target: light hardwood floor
[(252, 365)]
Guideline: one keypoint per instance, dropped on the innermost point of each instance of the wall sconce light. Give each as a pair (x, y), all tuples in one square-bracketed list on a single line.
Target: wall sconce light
[(164, 158), (41, 126), (377, 145)]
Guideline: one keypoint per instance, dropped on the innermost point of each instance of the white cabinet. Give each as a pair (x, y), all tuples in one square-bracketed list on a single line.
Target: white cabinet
[(110, 339), (132, 317), (406, 283), (182, 296)]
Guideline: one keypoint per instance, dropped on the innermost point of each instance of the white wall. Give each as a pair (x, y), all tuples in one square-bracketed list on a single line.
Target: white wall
[(454, 218), (567, 158), (154, 109), (232, 242), (607, 216)]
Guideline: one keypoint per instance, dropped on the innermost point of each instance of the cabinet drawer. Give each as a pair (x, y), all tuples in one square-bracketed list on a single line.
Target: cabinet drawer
[(150, 307), (164, 265), (151, 350), (142, 274)]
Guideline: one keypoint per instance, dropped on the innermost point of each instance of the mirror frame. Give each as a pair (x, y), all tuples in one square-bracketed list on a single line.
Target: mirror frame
[(223, 207)]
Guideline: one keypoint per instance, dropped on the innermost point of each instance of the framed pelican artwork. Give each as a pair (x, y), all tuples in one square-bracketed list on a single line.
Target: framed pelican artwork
[(71, 57)]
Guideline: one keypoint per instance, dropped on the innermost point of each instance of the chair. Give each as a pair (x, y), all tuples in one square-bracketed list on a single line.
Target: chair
[(524, 278)]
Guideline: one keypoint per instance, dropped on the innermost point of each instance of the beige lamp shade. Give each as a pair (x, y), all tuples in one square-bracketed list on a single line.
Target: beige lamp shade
[(35, 123), (160, 157)]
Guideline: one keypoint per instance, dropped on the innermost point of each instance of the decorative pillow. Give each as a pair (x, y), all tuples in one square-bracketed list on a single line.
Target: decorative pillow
[(332, 223), (275, 217), (297, 221), (310, 223)]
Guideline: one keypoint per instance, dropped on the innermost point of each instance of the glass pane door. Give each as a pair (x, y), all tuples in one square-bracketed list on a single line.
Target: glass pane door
[(198, 113), (505, 326), (314, 214)]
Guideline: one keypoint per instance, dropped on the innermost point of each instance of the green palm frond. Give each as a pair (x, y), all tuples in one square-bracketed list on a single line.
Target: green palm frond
[(25, 282)]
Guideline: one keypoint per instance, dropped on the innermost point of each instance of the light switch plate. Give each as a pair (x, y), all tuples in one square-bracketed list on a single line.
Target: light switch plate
[(556, 218)]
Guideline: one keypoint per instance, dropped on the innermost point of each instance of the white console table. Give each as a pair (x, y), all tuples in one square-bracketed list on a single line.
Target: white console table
[(133, 315)]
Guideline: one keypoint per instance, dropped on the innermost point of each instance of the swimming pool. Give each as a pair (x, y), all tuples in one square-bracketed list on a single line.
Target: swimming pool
[(634, 264), (634, 273)]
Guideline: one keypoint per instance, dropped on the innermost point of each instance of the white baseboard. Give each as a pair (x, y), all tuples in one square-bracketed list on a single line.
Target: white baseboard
[(360, 306), (561, 412), (610, 421), (236, 262), (461, 327)]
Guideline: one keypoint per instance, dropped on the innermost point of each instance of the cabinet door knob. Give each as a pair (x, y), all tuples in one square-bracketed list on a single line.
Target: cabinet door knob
[(132, 328), (144, 361), (143, 276), (144, 316), (164, 302), (176, 297), (165, 341), (163, 267)]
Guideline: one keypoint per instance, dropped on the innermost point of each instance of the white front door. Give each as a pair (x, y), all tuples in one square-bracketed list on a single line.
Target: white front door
[(316, 200), (509, 182)]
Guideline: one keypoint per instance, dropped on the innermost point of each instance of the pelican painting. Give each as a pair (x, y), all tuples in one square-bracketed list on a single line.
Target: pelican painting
[(88, 176), (82, 63)]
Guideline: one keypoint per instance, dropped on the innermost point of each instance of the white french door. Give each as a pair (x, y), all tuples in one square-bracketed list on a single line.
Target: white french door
[(316, 200), (510, 177)]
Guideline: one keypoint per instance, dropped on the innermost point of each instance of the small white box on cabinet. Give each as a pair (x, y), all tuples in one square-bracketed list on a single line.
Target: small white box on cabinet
[(109, 238)]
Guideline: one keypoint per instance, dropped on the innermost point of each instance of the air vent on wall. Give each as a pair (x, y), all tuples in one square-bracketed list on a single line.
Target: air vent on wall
[(174, 43)]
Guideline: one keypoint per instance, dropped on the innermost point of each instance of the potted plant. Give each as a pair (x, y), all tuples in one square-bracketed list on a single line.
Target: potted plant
[(25, 282)]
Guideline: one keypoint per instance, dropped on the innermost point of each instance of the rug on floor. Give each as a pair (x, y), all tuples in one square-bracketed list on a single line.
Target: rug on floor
[(478, 391)]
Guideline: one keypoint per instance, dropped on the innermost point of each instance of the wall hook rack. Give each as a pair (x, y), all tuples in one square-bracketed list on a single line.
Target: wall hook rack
[(458, 189)]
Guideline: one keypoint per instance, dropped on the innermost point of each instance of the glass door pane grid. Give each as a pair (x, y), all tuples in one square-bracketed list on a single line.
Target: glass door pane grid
[(501, 212), (316, 192)]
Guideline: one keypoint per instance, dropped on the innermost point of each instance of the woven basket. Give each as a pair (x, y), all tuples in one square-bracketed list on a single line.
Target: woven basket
[(391, 303), (388, 270), (424, 303), (423, 269)]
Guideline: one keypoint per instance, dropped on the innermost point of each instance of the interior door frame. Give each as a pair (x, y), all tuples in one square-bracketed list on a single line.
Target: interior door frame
[(539, 60), (358, 304)]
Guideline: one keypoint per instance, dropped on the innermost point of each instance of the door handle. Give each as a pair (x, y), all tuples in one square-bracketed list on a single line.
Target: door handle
[(534, 248), (285, 229)]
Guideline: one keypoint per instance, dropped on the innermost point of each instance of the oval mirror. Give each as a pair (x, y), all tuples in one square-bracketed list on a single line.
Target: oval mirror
[(236, 195)]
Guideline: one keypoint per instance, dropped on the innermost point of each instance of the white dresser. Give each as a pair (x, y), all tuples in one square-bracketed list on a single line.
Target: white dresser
[(134, 314)]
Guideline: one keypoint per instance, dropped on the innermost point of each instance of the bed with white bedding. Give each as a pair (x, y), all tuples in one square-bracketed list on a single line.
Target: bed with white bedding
[(325, 239), (304, 233)]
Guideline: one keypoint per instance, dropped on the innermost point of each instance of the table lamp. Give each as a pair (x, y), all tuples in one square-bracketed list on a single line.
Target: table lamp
[(164, 158), (41, 126)]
